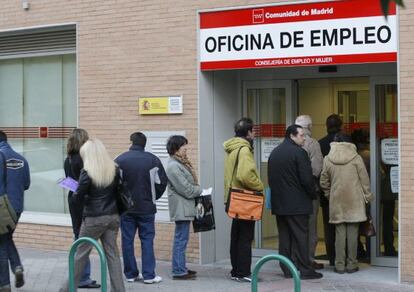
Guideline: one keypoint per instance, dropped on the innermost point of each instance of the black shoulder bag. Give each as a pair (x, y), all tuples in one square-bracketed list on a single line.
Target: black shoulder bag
[(124, 196)]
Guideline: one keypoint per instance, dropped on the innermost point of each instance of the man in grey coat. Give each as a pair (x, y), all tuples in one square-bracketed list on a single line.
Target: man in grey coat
[(313, 149)]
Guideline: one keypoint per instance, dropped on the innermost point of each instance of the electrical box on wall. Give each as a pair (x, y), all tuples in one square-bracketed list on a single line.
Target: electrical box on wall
[(25, 5)]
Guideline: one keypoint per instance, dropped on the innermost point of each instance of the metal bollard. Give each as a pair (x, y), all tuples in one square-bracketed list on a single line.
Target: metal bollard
[(72, 262), (284, 261)]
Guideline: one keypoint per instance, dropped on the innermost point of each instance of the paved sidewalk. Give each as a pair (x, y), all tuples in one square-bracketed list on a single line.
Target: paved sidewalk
[(46, 270)]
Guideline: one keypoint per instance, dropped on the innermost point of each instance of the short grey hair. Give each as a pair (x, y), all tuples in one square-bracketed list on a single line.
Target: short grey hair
[(305, 121)]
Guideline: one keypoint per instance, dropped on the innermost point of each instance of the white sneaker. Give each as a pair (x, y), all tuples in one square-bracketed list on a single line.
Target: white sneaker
[(136, 279), (244, 280), (157, 279)]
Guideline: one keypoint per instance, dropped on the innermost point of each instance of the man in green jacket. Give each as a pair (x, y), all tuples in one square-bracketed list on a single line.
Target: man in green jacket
[(244, 176)]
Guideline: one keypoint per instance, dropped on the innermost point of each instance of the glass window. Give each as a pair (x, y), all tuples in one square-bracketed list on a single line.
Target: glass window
[(267, 108), (34, 93), (387, 170)]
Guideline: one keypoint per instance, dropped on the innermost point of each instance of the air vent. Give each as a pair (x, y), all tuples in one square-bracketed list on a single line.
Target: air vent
[(160, 149), (157, 145), (38, 42)]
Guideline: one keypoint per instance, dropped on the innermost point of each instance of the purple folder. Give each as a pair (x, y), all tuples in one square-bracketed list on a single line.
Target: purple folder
[(69, 184)]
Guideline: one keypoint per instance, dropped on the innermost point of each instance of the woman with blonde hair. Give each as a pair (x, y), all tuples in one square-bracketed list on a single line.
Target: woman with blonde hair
[(72, 166), (98, 191)]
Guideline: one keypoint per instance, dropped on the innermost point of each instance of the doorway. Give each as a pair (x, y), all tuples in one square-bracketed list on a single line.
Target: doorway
[(368, 108), (269, 105)]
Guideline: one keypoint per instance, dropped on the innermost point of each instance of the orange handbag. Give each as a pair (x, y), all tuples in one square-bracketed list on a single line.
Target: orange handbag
[(244, 204)]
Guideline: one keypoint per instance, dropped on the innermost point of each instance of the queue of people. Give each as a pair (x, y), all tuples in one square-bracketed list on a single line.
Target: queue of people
[(298, 176), (96, 204), (302, 174)]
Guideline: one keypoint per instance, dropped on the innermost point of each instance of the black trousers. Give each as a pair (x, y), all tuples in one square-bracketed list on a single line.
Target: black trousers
[(76, 214), (388, 210), (329, 232), (242, 235), (294, 242)]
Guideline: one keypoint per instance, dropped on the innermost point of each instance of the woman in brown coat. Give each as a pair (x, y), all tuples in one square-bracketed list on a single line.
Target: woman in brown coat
[(345, 181)]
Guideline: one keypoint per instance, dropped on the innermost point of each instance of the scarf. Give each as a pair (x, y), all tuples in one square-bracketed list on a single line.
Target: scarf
[(186, 162)]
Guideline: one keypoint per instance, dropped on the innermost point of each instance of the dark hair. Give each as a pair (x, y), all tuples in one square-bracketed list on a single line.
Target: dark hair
[(333, 124), (360, 136), (292, 130), (76, 139), (3, 136), (243, 126), (341, 137), (138, 138), (175, 143)]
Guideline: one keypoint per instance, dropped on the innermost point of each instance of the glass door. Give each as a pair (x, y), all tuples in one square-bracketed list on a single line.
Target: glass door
[(385, 169), (268, 104)]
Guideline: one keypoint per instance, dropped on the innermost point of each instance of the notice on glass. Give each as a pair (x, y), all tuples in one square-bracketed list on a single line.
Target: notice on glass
[(389, 151), (395, 179), (267, 146)]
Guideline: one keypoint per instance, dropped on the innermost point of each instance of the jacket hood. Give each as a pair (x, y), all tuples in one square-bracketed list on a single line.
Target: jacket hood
[(342, 153), (235, 143)]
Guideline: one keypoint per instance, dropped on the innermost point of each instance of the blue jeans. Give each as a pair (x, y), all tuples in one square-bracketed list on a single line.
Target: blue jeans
[(146, 232), (4, 262), (8, 253), (182, 233)]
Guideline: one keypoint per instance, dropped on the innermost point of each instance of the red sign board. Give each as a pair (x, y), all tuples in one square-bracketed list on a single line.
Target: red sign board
[(308, 34), (43, 132)]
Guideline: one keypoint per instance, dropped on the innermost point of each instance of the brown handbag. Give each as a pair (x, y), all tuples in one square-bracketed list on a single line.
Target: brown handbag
[(367, 228), (244, 204)]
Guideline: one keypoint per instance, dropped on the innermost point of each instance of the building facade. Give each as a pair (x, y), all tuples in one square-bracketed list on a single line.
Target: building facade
[(90, 64)]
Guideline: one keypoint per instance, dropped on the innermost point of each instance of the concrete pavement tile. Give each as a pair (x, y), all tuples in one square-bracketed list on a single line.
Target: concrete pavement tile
[(47, 270)]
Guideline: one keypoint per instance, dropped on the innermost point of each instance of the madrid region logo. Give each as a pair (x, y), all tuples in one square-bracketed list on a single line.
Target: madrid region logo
[(258, 15)]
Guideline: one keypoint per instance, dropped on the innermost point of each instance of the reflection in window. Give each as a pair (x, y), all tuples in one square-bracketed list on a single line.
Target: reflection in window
[(40, 92), (387, 172)]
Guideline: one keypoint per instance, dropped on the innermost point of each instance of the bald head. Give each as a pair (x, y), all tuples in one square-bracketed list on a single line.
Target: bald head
[(305, 121)]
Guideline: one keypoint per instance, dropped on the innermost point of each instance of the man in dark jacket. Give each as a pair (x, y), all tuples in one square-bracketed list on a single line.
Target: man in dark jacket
[(292, 191), (14, 180), (146, 179), (333, 126)]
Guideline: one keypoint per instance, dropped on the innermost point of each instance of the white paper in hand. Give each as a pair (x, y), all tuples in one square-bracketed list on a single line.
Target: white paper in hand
[(207, 192)]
